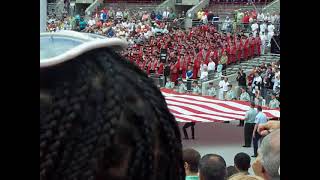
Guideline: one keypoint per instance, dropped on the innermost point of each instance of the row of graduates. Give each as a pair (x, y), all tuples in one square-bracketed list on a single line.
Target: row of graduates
[(187, 49)]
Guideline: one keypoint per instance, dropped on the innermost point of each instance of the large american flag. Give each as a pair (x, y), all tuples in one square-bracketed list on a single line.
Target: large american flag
[(187, 108)]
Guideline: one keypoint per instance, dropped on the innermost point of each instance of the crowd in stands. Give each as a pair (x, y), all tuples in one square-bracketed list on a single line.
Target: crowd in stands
[(195, 54), (261, 85), (257, 23), (134, 26)]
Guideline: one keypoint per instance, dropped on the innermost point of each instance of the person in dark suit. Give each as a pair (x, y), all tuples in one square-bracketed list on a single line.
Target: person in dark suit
[(184, 128)]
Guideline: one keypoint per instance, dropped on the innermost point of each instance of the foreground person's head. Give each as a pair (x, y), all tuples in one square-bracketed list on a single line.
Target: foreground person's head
[(267, 164), (101, 118), (212, 167), (191, 160)]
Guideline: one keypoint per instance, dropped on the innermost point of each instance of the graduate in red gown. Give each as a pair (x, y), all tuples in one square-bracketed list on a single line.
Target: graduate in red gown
[(174, 67), (246, 49), (252, 46), (258, 45), (239, 49), (233, 53), (196, 67)]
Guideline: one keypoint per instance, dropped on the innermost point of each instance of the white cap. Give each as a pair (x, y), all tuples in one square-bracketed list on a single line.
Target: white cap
[(59, 47)]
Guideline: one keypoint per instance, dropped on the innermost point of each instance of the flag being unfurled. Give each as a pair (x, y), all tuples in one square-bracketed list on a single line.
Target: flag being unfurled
[(187, 108)]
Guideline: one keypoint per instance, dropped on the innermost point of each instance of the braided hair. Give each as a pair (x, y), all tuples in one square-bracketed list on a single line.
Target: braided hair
[(102, 118)]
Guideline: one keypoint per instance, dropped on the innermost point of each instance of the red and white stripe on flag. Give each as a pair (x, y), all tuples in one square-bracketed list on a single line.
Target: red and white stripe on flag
[(188, 107)]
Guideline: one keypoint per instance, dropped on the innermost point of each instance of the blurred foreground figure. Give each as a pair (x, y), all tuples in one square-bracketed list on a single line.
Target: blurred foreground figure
[(102, 118)]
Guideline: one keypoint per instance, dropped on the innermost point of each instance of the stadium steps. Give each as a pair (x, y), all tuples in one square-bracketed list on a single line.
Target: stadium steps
[(249, 64)]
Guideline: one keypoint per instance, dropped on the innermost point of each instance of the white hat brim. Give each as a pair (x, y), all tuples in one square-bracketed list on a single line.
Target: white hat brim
[(81, 43)]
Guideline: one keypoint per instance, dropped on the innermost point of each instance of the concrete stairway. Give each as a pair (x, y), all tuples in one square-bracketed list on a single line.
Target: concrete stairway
[(248, 65)]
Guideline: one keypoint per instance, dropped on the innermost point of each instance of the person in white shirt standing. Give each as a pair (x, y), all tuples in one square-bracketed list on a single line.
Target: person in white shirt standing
[(211, 68), (165, 14), (260, 17), (119, 14), (204, 73), (270, 33), (263, 27), (254, 28), (256, 83), (223, 88), (221, 83), (263, 38)]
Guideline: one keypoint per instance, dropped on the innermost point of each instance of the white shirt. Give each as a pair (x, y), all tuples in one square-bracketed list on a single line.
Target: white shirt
[(256, 79), (263, 27), (260, 17), (211, 66), (225, 86), (221, 83), (119, 14), (204, 19), (91, 22), (250, 20), (101, 16), (276, 83), (272, 19), (254, 27), (204, 75), (270, 28), (165, 14), (263, 39)]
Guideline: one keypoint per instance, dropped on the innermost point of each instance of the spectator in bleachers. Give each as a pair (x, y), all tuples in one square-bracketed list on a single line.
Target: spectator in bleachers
[(165, 14), (204, 73), (261, 118), (242, 81), (195, 88), (276, 82), (249, 120), (254, 28), (263, 27), (244, 96), (256, 83), (263, 39), (230, 95), (270, 28), (223, 85), (169, 84), (212, 167), (274, 103), (260, 17), (181, 86), (119, 14), (189, 73), (267, 164), (211, 68), (223, 61), (242, 163), (211, 90), (231, 170), (191, 160), (258, 99), (226, 25)]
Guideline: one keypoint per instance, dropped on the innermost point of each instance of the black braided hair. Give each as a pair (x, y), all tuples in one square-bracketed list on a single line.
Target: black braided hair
[(102, 118)]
